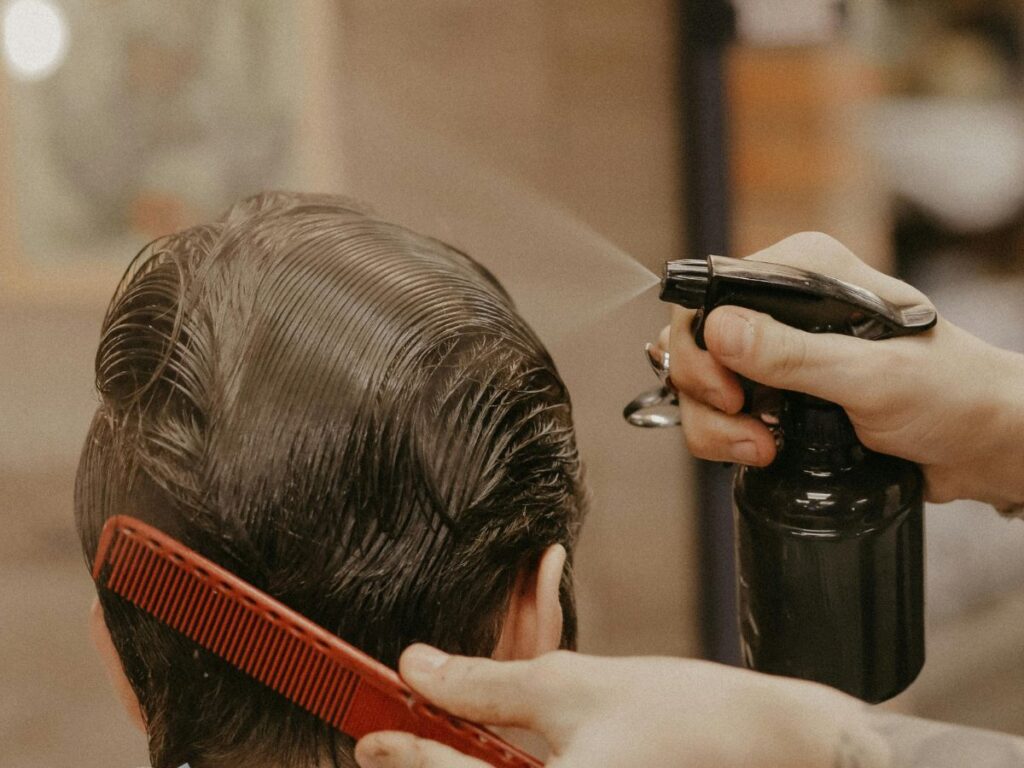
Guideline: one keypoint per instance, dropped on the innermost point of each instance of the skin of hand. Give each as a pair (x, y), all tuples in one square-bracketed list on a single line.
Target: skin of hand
[(594, 712), (943, 399)]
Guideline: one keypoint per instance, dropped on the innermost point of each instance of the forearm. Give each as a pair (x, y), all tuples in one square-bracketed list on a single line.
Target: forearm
[(1001, 469)]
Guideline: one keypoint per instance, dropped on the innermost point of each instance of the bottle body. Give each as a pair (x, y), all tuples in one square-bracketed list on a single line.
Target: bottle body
[(830, 569)]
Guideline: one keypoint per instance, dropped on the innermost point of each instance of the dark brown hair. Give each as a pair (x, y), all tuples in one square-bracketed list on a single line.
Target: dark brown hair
[(349, 415)]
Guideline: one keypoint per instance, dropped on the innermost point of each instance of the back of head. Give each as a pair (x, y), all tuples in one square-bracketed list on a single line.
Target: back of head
[(348, 415)]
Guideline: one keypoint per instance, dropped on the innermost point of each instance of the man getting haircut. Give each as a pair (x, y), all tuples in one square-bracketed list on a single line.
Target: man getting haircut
[(353, 418)]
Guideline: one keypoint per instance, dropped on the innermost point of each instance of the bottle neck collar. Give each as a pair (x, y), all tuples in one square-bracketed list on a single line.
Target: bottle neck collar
[(818, 433)]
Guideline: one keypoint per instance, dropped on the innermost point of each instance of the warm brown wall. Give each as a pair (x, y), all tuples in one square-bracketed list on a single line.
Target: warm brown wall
[(575, 100), (576, 97), (798, 157), (8, 239)]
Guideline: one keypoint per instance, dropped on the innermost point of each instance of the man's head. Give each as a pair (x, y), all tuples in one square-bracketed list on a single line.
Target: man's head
[(353, 418)]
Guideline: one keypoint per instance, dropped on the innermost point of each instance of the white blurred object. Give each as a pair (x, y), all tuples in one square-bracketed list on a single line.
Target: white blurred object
[(960, 161), (35, 35), (787, 22)]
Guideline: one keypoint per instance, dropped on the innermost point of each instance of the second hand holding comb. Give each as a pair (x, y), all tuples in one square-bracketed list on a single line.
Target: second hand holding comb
[(275, 645)]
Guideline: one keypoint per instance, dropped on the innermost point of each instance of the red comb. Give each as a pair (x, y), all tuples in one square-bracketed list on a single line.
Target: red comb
[(273, 644)]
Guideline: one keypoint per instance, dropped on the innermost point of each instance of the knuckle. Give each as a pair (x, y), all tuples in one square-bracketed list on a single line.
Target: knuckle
[(818, 242), (815, 237), (695, 443), (808, 249)]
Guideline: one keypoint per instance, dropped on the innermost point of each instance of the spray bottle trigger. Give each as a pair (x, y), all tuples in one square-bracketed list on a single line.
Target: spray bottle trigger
[(697, 329)]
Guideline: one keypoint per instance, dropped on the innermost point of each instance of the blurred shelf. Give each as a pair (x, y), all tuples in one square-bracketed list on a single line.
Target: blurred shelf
[(797, 159)]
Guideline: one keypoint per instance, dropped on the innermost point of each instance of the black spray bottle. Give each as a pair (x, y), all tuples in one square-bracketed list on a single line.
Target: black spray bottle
[(829, 537)]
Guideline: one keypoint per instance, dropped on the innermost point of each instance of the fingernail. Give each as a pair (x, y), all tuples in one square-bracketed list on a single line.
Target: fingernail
[(423, 659), (745, 452), (736, 334)]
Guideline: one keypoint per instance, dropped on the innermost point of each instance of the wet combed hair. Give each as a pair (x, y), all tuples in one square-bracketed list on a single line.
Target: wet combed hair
[(350, 416)]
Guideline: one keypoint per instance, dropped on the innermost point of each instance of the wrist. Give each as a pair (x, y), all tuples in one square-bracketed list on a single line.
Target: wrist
[(813, 725), (1003, 466)]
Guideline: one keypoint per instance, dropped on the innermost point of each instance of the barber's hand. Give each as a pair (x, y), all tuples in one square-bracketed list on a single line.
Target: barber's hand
[(596, 712), (943, 399)]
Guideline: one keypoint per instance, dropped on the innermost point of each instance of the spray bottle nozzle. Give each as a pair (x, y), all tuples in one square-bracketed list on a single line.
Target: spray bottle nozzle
[(800, 298), (685, 282)]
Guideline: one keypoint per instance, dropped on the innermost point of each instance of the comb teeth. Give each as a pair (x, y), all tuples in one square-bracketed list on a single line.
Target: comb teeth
[(275, 645), (223, 622)]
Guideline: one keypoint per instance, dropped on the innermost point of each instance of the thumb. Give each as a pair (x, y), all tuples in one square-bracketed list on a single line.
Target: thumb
[(483, 690), (830, 366)]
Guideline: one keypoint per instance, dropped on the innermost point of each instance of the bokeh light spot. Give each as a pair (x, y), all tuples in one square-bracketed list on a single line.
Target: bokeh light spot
[(35, 38)]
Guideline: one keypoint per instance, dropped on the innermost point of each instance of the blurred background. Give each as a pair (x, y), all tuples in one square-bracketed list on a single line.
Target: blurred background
[(567, 145)]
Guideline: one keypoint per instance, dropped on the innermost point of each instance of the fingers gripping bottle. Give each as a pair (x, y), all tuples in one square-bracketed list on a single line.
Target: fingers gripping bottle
[(829, 537)]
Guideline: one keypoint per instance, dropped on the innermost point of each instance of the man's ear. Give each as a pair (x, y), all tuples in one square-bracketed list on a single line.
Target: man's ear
[(533, 623), (112, 662)]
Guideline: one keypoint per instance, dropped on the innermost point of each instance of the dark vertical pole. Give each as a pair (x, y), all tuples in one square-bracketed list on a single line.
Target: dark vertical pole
[(706, 28)]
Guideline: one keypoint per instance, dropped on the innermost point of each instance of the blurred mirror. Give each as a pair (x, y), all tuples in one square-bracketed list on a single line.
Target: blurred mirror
[(131, 119)]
